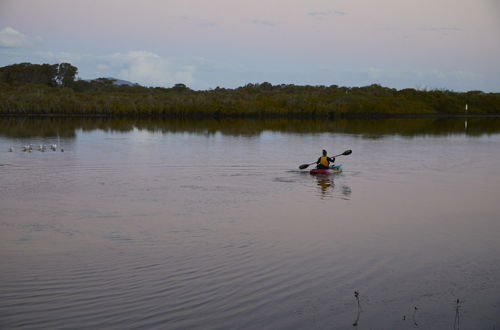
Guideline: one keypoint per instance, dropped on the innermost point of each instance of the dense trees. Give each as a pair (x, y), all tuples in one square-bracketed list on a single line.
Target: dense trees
[(51, 90), (24, 73), (45, 74), (65, 74)]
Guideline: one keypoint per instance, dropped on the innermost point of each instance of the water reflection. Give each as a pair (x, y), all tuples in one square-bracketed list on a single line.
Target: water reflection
[(326, 186), (24, 127), (116, 211), (325, 183)]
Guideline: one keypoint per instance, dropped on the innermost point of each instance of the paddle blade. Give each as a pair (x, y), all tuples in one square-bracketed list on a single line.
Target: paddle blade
[(303, 166), (347, 152)]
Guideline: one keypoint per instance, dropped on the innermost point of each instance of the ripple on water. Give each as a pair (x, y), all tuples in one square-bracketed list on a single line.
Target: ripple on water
[(113, 235), (139, 292)]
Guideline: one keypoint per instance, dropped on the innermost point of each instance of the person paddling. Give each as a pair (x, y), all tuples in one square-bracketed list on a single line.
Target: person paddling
[(324, 161)]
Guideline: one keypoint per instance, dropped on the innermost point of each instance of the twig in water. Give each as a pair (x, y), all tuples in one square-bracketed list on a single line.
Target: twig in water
[(456, 324), (356, 295), (413, 316)]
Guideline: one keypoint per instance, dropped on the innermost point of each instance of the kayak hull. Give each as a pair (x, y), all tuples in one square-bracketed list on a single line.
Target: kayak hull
[(332, 170)]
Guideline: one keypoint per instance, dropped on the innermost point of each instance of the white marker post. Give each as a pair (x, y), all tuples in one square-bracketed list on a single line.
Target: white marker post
[(466, 109)]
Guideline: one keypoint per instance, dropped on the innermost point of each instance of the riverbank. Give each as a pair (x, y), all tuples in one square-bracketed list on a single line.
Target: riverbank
[(251, 101)]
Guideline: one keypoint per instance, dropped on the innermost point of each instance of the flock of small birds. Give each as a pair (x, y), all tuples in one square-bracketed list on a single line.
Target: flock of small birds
[(41, 147)]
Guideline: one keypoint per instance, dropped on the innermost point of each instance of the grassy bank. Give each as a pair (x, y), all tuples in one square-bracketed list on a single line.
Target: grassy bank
[(251, 101)]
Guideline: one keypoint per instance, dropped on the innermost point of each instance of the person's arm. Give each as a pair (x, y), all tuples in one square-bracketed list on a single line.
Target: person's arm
[(317, 162), (331, 159)]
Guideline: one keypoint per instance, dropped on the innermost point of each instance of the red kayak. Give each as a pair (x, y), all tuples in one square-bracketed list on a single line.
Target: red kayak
[(333, 169)]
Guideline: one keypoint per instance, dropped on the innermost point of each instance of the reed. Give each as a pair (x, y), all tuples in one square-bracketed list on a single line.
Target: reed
[(250, 101), (356, 295)]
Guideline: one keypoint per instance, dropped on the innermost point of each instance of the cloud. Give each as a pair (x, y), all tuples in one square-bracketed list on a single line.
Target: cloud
[(327, 13), (149, 68), (11, 38), (207, 24), (441, 29), (194, 21), (142, 67), (60, 56), (455, 75), (263, 22), (375, 73)]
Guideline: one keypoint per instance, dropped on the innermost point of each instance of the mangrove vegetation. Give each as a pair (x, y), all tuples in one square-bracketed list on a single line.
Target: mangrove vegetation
[(32, 89)]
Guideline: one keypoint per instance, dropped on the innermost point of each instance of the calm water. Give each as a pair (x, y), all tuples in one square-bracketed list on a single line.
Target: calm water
[(210, 225)]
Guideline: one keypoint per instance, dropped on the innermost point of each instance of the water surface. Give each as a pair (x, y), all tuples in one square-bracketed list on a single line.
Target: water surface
[(143, 224)]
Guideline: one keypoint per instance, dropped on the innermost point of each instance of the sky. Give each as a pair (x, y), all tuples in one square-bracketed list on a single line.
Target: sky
[(423, 44)]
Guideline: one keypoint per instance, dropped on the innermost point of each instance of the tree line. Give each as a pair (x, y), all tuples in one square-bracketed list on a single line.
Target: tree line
[(31, 89), (62, 74)]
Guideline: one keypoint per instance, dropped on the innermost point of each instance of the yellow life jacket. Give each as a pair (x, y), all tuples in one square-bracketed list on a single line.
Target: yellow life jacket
[(323, 160)]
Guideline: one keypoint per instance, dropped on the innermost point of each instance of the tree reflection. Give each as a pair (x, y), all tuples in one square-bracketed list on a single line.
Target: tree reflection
[(24, 127)]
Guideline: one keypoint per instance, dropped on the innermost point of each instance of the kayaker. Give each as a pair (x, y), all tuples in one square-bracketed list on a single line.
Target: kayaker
[(324, 161)]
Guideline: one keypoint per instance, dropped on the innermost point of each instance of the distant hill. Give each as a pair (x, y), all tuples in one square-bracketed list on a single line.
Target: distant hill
[(120, 82)]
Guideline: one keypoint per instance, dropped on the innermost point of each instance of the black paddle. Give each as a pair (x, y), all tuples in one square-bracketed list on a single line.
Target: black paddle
[(345, 153)]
